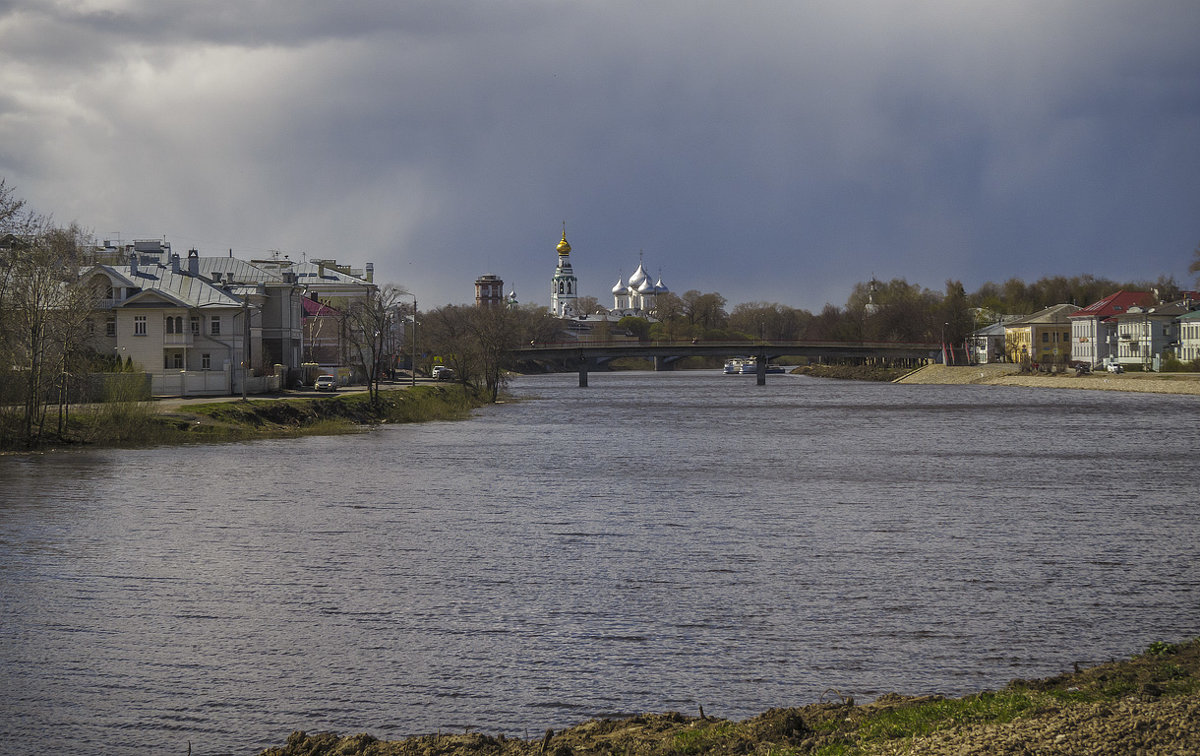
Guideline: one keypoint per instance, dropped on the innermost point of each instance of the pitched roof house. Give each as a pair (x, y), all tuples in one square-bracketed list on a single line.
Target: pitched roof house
[(1094, 329), (170, 323), (1043, 337)]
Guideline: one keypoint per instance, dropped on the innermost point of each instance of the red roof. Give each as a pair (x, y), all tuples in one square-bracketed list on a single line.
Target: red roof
[(312, 307), (1113, 304)]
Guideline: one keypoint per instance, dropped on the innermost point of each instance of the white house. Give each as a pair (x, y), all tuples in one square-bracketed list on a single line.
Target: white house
[(1145, 334), (1094, 328), (188, 334), (1189, 337)]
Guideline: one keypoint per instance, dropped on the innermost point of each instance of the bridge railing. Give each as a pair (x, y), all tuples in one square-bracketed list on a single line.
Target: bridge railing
[(734, 347)]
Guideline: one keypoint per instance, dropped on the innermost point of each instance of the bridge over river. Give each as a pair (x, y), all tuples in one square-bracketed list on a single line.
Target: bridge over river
[(584, 354)]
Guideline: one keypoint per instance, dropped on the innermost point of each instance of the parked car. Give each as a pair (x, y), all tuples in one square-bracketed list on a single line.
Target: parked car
[(442, 373), (1115, 368), (326, 383)]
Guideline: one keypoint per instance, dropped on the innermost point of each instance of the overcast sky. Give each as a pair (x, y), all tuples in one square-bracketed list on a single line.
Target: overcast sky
[(769, 151)]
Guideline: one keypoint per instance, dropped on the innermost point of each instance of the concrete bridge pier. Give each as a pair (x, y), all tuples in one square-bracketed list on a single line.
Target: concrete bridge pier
[(760, 370), (663, 363), (583, 372)]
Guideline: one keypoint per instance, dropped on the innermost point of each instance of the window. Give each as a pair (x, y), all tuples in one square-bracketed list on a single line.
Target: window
[(215, 322), (1045, 337), (110, 327), (205, 361), (170, 325), (177, 360), (139, 325), (91, 327), (195, 325)]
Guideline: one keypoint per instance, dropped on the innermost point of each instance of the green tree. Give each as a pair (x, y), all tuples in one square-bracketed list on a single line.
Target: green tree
[(704, 312), (631, 324), (768, 320)]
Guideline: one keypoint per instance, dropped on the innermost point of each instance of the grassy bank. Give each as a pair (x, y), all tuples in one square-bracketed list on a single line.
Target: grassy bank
[(139, 424), (1147, 704), (852, 372)]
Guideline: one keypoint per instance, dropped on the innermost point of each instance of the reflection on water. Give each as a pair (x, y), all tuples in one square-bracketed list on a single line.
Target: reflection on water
[(654, 542)]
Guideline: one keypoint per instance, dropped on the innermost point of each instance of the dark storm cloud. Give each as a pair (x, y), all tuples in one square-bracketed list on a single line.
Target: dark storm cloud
[(769, 151)]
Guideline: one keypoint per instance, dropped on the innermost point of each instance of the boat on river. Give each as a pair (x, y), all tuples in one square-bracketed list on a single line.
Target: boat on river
[(748, 366)]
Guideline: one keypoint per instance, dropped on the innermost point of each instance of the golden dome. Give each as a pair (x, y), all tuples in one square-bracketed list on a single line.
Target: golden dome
[(564, 248)]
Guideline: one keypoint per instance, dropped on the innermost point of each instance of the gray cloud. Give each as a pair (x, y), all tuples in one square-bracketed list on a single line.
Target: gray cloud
[(769, 151)]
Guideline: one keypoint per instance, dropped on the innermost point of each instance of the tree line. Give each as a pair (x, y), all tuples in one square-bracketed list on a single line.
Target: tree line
[(895, 310)]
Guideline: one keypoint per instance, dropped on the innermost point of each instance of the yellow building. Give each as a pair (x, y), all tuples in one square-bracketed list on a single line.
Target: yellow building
[(1043, 337)]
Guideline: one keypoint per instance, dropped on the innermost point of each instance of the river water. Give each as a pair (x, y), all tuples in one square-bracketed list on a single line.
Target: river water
[(654, 542)]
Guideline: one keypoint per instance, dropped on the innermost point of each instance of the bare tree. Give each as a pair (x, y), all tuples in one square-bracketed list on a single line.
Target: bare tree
[(43, 309), (370, 323), (477, 342)]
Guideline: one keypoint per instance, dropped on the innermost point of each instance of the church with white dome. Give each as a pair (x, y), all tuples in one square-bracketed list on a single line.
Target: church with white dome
[(636, 297)]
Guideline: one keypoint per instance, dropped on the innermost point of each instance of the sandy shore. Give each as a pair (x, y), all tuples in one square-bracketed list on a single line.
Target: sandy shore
[(1008, 375)]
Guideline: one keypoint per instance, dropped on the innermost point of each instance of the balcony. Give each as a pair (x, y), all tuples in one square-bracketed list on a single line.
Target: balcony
[(177, 339)]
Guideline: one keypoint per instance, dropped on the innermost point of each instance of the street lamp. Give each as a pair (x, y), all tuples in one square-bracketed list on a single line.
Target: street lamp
[(413, 364)]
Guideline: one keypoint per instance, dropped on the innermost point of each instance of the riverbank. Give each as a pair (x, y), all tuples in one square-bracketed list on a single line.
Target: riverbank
[(1149, 703), (141, 424), (1009, 375), (852, 372)]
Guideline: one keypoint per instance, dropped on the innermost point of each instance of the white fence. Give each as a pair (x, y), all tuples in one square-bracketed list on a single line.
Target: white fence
[(223, 382)]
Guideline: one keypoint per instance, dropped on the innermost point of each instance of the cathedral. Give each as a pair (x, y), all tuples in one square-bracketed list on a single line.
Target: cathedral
[(637, 297)]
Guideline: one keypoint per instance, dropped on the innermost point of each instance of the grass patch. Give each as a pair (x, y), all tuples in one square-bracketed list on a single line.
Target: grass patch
[(924, 718), (140, 424)]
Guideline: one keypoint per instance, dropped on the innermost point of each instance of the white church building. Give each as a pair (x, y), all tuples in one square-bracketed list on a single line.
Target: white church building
[(637, 297)]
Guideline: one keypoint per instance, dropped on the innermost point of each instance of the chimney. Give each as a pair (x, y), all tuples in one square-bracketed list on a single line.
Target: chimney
[(133, 263), (175, 263), (216, 276), (370, 272), (193, 263)]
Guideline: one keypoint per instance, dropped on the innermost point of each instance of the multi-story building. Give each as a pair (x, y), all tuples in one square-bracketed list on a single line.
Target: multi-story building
[(274, 295), (489, 291), (188, 334), (1043, 337), (1189, 336), (1094, 328), (987, 344), (202, 324), (1145, 334)]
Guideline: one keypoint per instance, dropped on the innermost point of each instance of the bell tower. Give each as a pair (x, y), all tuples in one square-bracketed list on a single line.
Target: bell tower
[(564, 289)]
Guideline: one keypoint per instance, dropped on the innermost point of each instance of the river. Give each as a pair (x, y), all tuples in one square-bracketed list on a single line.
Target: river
[(657, 541)]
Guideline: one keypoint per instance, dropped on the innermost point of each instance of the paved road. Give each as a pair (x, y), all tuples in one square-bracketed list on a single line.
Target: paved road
[(169, 403)]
